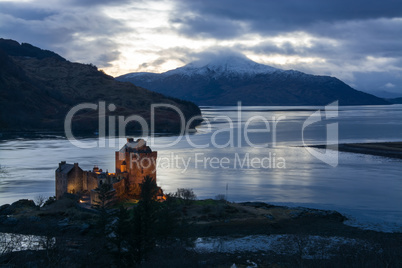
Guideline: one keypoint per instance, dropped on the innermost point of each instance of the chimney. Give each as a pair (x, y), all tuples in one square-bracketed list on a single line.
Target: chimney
[(130, 140), (61, 163), (75, 165)]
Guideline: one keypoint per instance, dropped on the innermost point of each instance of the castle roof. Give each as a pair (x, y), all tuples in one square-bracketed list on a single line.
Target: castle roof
[(139, 145), (65, 168)]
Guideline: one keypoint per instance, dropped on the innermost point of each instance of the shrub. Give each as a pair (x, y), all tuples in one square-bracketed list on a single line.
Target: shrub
[(220, 197), (186, 194)]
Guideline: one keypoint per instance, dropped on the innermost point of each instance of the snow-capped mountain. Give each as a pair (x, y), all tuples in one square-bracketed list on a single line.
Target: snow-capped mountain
[(228, 79), (223, 66)]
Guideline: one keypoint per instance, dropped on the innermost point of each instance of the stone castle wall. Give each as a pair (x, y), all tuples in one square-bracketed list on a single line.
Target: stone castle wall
[(142, 165), (74, 184), (90, 181), (61, 184)]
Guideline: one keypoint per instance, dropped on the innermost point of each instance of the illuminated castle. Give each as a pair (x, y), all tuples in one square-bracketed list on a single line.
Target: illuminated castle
[(134, 161)]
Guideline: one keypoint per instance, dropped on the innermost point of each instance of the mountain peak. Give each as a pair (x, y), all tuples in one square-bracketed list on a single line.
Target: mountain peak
[(223, 65), (226, 78)]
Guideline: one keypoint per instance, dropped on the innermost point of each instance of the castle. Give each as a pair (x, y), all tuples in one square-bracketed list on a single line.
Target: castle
[(133, 161)]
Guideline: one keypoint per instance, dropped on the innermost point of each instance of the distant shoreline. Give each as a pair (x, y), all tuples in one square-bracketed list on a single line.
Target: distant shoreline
[(386, 149)]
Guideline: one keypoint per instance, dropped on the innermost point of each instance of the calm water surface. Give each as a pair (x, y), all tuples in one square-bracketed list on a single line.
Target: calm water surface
[(366, 188)]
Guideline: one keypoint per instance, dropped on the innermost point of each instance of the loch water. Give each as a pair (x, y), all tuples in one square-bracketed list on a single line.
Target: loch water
[(248, 154)]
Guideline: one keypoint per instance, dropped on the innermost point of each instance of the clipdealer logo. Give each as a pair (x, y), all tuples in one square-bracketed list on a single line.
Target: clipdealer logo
[(242, 128), (330, 156)]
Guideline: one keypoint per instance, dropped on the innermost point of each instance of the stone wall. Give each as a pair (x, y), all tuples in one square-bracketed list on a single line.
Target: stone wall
[(141, 165), (61, 184), (90, 181), (74, 184)]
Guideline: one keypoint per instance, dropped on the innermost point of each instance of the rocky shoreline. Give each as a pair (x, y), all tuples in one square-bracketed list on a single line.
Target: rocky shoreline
[(386, 149), (76, 230), (209, 217)]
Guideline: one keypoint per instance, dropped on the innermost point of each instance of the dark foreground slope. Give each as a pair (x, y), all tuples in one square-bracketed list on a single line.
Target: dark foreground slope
[(202, 233), (39, 87)]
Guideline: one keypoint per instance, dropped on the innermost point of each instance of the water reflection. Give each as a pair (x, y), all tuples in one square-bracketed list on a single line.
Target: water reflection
[(18, 242)]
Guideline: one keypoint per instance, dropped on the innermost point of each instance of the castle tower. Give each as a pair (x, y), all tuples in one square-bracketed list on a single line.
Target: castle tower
[(138, 160), (68, 179)]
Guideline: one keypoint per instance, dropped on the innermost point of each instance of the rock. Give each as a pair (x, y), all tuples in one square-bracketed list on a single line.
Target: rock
[(335, 215), (24, 203), (269, 216), (73, 197), (2, 218), (17, 207), (317, 213), (4, 208), (252, 263), (10, 221), (64, 224), (33, 219), (295, 214), (84, 228)]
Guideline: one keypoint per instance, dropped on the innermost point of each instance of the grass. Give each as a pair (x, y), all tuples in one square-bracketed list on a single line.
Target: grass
[(207, 202)]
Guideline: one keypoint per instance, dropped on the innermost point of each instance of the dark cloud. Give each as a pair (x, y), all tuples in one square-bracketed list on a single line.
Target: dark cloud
[(89, 3), (278, 16), (85, 35), (209, 26), (359, 28), (216, 52), (23, 12), (108, 57)]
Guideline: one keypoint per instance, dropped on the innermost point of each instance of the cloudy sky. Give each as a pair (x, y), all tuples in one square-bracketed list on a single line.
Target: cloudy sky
[(357, 41)]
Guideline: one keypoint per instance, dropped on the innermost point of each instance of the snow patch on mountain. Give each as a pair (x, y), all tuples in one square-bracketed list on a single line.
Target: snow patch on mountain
[(223, 66)]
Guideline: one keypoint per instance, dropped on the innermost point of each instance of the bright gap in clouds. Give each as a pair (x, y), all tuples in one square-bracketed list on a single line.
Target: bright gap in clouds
[(152, 37), (154, 46), (157, 48)]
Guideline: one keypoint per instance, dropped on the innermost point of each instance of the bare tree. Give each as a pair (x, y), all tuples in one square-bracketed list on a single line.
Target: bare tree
[(40, 200), (186, 194)]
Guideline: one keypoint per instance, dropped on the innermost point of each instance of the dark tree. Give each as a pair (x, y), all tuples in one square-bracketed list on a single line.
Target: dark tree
[(121, 230), (144, 218), (105, 196)]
